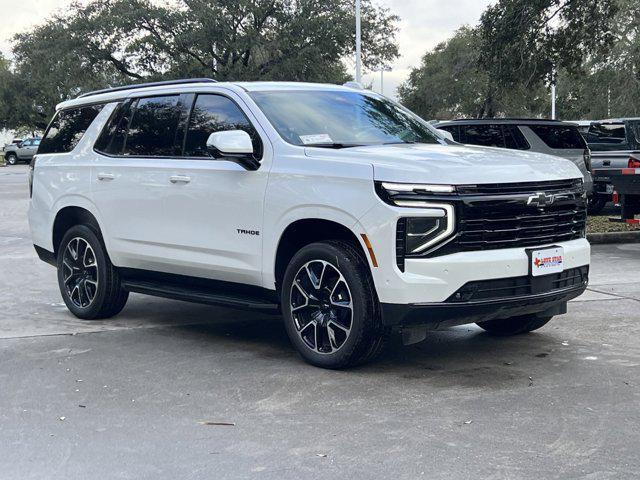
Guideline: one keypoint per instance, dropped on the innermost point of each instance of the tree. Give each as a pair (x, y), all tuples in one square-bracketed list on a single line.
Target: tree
[(112, 42), (503, 67), (609, 84), (451, 83), (448, 84), (523, 41)]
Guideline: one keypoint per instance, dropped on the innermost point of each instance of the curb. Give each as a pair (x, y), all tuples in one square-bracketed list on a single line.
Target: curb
[(614, 237)]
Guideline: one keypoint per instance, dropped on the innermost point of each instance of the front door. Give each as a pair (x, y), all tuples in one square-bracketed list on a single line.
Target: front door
[(169, 205)]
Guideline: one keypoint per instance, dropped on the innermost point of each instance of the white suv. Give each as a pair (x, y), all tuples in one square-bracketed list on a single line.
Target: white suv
[(335, 207)]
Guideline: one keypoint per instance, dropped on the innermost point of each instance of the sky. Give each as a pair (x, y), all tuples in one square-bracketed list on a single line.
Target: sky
[(423, 24)]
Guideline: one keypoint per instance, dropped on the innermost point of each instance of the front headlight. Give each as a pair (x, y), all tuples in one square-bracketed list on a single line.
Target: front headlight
[(422, 233)]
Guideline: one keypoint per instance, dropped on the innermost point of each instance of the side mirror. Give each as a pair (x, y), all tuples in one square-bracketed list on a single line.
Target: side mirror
[(446, 134), (233, 145)]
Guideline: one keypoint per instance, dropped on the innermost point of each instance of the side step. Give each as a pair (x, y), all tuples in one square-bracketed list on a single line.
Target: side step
[(198, 294)]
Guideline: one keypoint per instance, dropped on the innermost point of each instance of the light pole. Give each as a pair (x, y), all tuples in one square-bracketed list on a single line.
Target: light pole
[(553, 94), (358, 45)]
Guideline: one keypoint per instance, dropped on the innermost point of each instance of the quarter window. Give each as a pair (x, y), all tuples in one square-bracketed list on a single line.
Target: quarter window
[(154, 127), (216, 113), (111, 140), (559, 137), (67, 128)]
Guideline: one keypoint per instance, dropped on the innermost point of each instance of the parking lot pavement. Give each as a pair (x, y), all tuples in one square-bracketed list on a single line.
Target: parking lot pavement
[(127, 397)]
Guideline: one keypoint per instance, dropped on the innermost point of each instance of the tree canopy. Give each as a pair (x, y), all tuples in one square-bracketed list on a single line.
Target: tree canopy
[(503, 66), (112, 42)]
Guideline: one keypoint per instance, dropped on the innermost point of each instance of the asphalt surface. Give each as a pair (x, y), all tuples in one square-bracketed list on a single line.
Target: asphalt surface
[(126, 398)]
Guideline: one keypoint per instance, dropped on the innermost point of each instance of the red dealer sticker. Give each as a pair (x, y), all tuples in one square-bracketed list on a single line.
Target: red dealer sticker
[(546, 261)]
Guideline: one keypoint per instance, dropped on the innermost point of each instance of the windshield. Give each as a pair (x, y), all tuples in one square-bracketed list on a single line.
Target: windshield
[(340, 119)]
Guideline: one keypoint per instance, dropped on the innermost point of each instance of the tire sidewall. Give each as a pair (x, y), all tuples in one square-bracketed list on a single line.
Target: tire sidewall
[(102, 262), (362, 305), (11, 159)]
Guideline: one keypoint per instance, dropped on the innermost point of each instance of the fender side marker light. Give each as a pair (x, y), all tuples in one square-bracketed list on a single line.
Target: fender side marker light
[(370, 248)]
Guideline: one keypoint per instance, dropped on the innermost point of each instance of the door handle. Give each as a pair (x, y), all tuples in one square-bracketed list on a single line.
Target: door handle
[(106, 176), (179, 179)]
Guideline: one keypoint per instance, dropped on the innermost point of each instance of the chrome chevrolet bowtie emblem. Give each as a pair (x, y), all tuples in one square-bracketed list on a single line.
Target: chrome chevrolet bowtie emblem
[(541, 199)]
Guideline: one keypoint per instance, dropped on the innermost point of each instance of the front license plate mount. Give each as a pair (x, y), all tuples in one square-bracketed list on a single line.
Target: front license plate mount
[(545, 261)]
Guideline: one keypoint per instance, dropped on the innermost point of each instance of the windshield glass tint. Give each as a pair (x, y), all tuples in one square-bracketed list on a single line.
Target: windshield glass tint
[(340, 118)]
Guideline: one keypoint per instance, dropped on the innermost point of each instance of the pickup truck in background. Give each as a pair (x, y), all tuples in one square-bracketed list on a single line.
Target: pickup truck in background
[(611, 143), (22, 151)]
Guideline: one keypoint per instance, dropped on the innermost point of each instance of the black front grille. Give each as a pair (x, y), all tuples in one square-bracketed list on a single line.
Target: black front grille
[(520, 286), (520, 187), (485, 225), (498, 216)]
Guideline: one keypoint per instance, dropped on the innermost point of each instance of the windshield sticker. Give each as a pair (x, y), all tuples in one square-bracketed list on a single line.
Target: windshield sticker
[(319, 138)]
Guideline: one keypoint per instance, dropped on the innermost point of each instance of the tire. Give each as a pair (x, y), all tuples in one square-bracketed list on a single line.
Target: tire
[(89, 283), (515, 325), (11, 159), (329, 283), (596, 204)]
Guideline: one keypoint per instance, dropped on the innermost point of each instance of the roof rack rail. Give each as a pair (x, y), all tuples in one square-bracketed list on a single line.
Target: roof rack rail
[(150, 84)]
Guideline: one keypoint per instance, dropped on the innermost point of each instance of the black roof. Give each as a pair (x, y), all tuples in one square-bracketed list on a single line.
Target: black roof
[(151, 84), (508, 121)]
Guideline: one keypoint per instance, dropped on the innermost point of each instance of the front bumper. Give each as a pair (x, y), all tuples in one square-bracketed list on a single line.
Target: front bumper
[(436, 315)]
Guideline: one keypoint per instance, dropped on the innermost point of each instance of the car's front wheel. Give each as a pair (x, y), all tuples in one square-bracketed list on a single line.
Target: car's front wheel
[(330, 306), (89, 283), (514, 325), (11, 159)]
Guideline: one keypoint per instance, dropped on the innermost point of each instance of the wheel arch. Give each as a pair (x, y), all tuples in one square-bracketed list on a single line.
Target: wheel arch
[(305, 231), (69, 216)]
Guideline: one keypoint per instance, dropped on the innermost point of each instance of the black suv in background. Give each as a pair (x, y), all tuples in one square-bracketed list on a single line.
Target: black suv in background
[(552, 137)]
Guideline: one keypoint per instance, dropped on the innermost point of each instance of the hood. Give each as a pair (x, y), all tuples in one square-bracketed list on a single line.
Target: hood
[(453, 164)]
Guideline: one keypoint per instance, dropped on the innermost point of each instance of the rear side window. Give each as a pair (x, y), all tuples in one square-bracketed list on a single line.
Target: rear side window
[(560, 136), (485, 135), (614, 133), (216, 113), (67, 128), (154, 127)]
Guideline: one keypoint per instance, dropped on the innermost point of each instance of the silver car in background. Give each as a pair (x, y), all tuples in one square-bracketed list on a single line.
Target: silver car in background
[(22, 151), (561, 139)]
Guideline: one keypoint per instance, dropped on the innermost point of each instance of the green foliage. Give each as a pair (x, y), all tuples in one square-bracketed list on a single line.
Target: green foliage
[(112, 42), (503, 67)]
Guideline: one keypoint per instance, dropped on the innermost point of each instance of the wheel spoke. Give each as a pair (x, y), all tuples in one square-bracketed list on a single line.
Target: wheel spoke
[(340, 327), (92, 258), (87, 293), (332, 338)]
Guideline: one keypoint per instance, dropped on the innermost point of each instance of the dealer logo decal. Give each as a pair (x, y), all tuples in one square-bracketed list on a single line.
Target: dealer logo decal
[(546, 262)]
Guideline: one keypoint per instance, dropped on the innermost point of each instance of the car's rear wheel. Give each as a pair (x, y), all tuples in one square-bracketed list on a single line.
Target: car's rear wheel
[(514, 325), (89, 283), (11, 159), (330, 306)]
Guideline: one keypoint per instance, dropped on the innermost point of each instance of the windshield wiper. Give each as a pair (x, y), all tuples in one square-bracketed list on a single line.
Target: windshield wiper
[(333, 145)]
